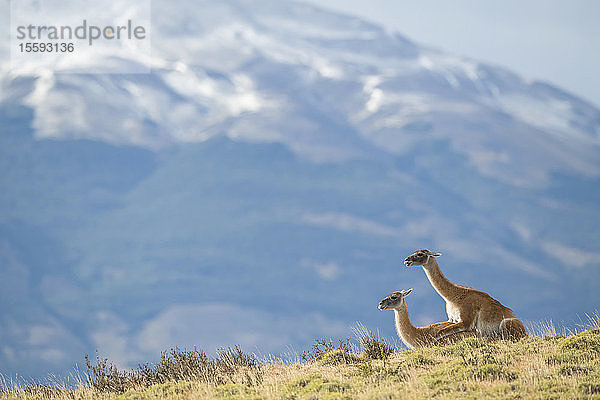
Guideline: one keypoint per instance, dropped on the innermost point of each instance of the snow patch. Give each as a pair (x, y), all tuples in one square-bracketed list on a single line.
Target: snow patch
[(550, 114)]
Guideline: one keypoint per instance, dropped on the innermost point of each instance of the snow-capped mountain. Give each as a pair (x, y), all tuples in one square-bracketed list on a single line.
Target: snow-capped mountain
[(260, 70), (262, 184)]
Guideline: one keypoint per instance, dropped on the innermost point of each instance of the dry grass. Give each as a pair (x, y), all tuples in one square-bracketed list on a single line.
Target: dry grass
[(372, 345), (544, 366)]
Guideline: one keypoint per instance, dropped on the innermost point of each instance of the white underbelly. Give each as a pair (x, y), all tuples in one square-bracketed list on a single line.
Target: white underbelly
[(453, 312)]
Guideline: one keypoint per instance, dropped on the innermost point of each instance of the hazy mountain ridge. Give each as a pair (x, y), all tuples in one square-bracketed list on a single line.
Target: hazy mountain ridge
[(278, 155)]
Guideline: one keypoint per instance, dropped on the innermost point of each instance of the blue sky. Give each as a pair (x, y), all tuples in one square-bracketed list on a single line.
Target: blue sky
[(552, 40)]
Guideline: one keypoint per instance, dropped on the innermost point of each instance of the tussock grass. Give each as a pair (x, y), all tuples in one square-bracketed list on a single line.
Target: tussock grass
[(324, 351), (373, 346), (231, 365), (545, 366)]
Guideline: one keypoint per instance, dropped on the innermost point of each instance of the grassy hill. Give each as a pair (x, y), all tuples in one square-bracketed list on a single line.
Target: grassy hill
[(538, 367)]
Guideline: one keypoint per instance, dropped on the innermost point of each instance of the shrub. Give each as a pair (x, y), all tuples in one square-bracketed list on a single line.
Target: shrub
[(588, 342), (416, 358), (590, 388), (571, 370), (106, 377), (317, 386), (336, 357), (372, 345), (322, 347), (176, 365)]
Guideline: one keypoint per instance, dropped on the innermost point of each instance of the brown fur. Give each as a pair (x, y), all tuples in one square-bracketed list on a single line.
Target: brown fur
[(477, 310), (416, 337)]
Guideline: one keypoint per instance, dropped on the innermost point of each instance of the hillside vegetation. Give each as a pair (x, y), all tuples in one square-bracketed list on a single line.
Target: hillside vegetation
[(549, 367)]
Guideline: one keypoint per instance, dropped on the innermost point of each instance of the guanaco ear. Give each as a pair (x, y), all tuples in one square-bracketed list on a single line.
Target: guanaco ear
[(406, 292), (431, 253)]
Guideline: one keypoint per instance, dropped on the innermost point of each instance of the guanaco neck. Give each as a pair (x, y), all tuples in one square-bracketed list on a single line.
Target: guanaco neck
[(441, 284), (404, 327)]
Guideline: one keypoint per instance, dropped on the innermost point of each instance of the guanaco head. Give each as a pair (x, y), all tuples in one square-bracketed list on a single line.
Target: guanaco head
[(419, 258), (394, 299)]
